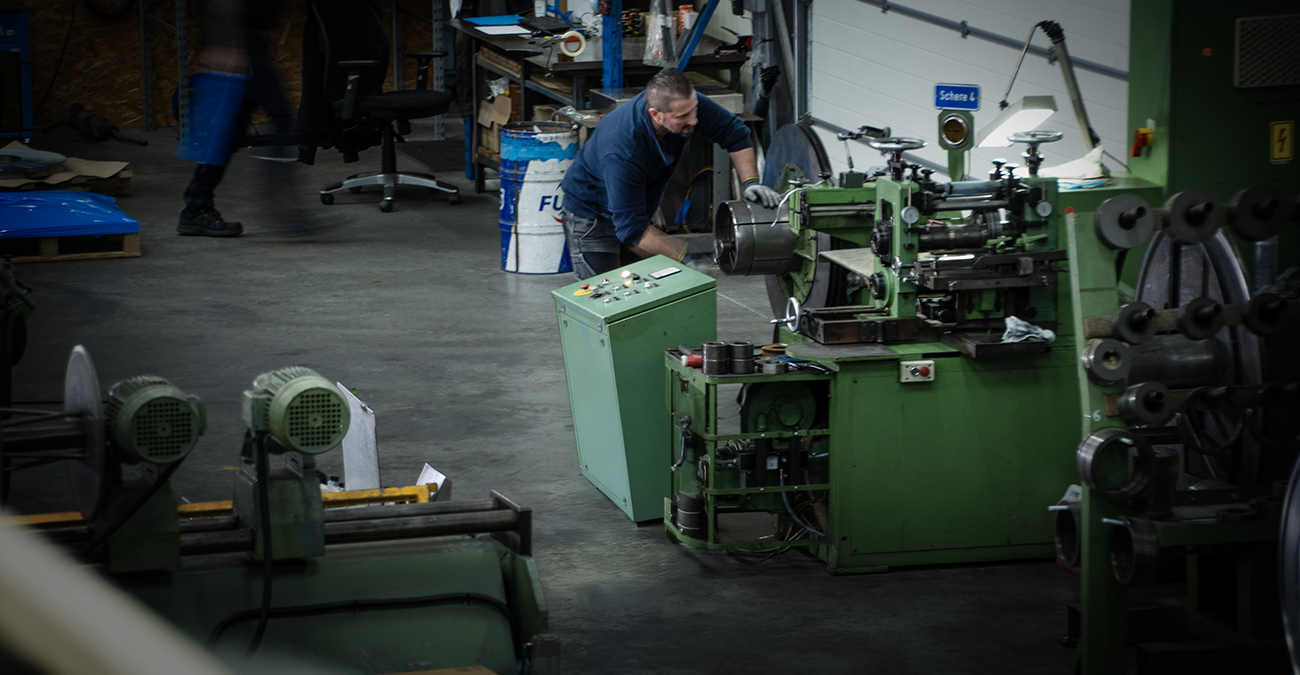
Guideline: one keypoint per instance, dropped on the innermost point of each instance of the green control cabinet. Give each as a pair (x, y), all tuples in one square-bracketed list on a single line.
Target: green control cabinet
[(614, 329)]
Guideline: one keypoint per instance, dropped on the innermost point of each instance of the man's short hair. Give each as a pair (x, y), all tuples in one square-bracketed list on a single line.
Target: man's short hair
[(667, 86)]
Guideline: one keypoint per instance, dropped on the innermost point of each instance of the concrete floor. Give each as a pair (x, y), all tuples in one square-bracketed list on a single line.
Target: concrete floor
[(461, 363)]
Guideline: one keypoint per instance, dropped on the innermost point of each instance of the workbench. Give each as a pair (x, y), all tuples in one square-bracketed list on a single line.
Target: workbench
[(538, 71)]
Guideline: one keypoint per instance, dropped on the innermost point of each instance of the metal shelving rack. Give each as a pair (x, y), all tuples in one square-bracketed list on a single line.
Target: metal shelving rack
[(179, 29)]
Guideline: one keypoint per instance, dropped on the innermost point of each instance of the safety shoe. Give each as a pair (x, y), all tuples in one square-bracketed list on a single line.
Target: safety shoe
[(206, 222)]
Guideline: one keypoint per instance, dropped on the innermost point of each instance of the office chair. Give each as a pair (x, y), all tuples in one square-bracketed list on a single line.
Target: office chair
[(352, 45)]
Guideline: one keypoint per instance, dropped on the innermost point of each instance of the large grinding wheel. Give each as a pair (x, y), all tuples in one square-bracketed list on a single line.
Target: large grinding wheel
[(1174, 274), (796, 154), (81, 395)]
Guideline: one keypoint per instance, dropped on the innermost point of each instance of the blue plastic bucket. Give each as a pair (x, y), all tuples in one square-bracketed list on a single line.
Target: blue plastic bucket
[(216, 102), (534, 157)]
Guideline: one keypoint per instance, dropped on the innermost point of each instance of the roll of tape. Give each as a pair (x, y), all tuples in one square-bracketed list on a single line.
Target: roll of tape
[(573, 44)]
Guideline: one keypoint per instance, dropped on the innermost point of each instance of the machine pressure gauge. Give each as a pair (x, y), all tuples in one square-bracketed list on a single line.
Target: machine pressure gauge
[(910, 214), (1043, 209)]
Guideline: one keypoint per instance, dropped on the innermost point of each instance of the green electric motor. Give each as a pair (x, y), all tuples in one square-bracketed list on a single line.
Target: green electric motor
[(776, 406), (150, 420), (301, 410)]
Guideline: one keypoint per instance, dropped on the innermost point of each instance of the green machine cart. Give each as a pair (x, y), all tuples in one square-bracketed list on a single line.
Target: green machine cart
[(613, 330)]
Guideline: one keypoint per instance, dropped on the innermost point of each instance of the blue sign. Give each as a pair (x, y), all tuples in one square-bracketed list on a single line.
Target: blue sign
[(957, 97)]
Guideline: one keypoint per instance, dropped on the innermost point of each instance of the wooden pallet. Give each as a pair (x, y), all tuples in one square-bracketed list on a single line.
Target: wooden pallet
[(50, 249)]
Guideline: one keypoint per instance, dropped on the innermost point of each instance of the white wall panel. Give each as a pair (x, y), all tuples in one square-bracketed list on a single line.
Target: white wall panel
[(880, 69)]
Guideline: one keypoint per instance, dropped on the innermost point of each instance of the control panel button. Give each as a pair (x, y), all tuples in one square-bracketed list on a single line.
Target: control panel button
[(916, 371)]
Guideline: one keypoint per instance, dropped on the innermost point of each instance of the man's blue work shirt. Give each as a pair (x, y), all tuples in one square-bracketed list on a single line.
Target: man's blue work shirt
[(622, 170)]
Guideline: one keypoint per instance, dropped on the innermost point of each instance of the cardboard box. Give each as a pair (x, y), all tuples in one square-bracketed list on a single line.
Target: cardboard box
[(544, 112)]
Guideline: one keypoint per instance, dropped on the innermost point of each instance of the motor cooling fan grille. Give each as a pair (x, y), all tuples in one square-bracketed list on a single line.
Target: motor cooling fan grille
[(164, 428), (315, 419)]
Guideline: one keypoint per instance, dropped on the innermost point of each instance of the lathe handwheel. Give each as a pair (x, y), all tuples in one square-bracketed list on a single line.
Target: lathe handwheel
[(1035, 137), (896, 144)]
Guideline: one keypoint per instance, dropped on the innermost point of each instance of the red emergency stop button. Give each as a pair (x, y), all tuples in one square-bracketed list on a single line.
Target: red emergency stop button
[(925, 371)]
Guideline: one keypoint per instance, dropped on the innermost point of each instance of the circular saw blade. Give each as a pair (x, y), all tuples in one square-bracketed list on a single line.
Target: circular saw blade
[(796, 152), (25, 163), (81, 395)]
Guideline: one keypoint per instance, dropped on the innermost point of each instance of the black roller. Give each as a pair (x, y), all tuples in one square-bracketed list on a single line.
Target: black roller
[(1259, 213), (1200, 318), (1134, 552), (1265, 314), (1146, 404), (1192, 217), (1121, 442), (1134, 323)]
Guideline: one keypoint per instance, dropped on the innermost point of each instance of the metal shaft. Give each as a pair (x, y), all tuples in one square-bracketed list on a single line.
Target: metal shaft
[(355, 531)]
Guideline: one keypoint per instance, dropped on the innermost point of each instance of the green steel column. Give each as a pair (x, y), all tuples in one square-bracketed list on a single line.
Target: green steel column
[(1102, 649)]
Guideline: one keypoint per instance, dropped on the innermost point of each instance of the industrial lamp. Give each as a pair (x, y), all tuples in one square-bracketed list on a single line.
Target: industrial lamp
[(1023, 115)]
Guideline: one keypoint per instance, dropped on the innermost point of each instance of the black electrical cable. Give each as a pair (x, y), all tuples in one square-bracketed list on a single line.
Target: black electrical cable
[(59, 65), (361, 605), (785, 497), (264, 524), (130, 512)]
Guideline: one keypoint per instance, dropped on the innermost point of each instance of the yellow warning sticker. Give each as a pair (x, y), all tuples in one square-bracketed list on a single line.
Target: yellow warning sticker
[(1281, 145)]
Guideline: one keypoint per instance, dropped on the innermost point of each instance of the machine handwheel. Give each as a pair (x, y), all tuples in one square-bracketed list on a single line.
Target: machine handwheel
[(326, 198), (896, 144)]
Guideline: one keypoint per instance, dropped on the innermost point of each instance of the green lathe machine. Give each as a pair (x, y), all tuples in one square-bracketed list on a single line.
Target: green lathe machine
[(906, 431)]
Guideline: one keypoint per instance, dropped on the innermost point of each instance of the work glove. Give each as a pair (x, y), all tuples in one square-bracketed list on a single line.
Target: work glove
[(758, 193)]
